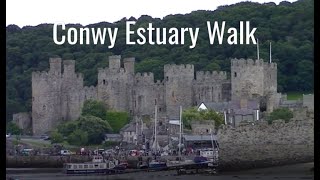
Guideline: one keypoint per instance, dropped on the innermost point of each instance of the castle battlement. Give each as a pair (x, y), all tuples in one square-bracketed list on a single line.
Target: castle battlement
[(107, 71), (211, 75), (270, 65), (144, 77), (159, 83), (246, 62), (89, 88), (130, 59), (55, 60), (182, 68), (40, 75)]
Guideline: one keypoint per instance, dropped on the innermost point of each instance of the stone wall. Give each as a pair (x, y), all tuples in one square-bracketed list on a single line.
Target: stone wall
[(262, 144), (308, 101), (23, 120)]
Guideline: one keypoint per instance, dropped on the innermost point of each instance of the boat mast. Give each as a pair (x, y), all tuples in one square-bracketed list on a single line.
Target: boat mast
[(155, 127), (211, 139), (180, 129)]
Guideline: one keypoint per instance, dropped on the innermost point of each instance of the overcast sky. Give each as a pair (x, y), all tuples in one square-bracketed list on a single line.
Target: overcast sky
[(34, 12)]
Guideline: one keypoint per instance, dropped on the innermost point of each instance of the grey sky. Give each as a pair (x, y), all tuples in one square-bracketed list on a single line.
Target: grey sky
[(34, 12)]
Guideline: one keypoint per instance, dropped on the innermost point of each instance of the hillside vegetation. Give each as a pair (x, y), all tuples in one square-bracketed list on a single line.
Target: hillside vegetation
[(290, 27)]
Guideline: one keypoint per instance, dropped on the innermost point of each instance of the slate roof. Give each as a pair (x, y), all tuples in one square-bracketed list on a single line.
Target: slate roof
[(113, 135), (234, 105), (128, 128)]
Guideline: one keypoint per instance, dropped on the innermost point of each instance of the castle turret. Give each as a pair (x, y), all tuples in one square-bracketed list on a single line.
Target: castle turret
[(55, 66), (129, 65), (114, 62), (69, 68)]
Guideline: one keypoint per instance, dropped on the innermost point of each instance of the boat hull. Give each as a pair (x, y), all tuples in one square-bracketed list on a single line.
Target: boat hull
[(88, 171)]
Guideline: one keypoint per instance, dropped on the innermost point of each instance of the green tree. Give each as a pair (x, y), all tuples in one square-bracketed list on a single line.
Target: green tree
[(67, 128), (117, 120), (13, 128), (95, 127), (94, 108), (281, 113), (56, 137), (192, 114), (78, 138)]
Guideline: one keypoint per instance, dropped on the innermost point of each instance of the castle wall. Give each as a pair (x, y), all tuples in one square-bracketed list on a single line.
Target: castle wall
[(308, 101), (178, 87), (247, 78), (59, 97), (46, 101), (265, 143), (208, 86)]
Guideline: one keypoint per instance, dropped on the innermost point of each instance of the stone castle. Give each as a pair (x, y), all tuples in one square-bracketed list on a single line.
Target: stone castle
[(58, 95)]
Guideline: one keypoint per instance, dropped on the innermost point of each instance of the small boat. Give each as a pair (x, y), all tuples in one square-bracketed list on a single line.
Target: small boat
[(142, 165), (97, 166), (157, 165)]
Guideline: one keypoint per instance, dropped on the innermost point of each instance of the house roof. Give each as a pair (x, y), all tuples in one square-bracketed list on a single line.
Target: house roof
[(235, 105), (129, 127), (113, 135)]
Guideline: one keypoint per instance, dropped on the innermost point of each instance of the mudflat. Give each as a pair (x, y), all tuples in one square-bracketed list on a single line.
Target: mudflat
[(296, 171)]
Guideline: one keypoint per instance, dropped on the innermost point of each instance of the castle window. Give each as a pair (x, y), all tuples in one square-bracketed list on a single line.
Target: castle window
[(167, 78), (172, 94), (44, 107), (235, 74), (155, 101), (160, 109), (134, 93), (32, 98), (270, 76), (135, 103), (104, 81)]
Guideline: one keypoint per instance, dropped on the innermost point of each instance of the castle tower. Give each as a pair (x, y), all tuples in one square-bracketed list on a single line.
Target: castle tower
[(178, 87), (114, 84), (46, 102), (247, 78), (71, 96)]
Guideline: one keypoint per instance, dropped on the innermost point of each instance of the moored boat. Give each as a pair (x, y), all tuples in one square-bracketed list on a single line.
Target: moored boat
[(157, 165), (97, 166)]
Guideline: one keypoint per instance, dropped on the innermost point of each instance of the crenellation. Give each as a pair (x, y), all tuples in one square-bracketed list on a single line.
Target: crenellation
[(210, 76)]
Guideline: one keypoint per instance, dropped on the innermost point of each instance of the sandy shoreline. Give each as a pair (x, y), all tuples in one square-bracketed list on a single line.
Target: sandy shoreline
[(296, 171)]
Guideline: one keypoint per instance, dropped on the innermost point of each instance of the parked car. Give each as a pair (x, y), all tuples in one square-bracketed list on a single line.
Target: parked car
[(26, 152), (45, 137), (65, 152)]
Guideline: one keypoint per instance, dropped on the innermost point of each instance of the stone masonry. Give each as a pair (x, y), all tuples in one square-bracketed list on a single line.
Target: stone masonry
[(58, 95)]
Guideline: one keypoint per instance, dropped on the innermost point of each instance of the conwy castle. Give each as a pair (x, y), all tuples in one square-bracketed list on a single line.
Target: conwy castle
[(58, 95)]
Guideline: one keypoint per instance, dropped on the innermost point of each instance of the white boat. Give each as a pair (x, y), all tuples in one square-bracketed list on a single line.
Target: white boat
[(97, 166)]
